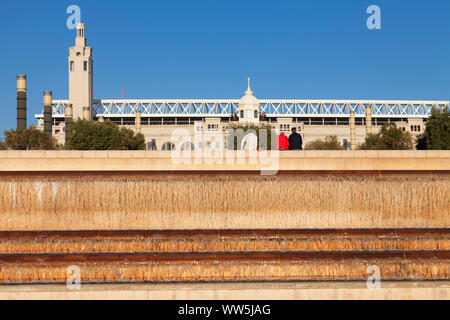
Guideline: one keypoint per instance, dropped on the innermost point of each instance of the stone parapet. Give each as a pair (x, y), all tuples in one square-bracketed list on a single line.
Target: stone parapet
[(54, 161), (236, 291)]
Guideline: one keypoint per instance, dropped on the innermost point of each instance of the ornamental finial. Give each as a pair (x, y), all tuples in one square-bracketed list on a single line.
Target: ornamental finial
[(249, 91)]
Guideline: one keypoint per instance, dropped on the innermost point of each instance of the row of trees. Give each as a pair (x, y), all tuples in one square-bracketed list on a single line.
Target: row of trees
[(436, 137), (389, 138), (85, 135)]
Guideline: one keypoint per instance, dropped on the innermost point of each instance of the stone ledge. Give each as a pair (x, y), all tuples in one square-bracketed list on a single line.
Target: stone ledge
[(168, 154), (162, 161), (236, 291)]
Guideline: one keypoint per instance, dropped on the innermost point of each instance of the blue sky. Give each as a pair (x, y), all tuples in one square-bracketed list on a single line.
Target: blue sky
[(317, 49)]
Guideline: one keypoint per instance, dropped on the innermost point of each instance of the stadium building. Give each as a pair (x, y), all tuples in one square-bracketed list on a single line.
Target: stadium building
[(156, 119)]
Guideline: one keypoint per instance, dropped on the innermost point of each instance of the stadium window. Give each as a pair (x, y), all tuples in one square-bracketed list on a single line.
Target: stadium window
[(242, 113), (213, 127), (85, 66), (345, 144), (256, 114), (71, 65), (168, 146), (152, 145)]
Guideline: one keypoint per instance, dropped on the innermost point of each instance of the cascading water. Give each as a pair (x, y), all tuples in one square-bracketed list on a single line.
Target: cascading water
[(252, 228), (223, 203)]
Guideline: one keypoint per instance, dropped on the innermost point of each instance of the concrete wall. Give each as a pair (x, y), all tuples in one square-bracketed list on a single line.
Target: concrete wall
[(170, 161), (236, 291)]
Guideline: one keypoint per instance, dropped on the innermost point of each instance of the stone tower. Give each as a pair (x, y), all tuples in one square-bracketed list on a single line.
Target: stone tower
[(81, 75)]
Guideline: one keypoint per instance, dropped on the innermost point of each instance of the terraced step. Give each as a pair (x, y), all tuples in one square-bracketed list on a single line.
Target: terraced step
[(221, 256), (187, 267), (224, 241)]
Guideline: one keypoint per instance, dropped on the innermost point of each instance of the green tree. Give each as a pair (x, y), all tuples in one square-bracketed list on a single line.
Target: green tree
[(131, 140), (92, 135), (421, 143), (232, 139), (2, 146), (330, 143), (437, 132), (390, 138), (371, 142), (29, 139)]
